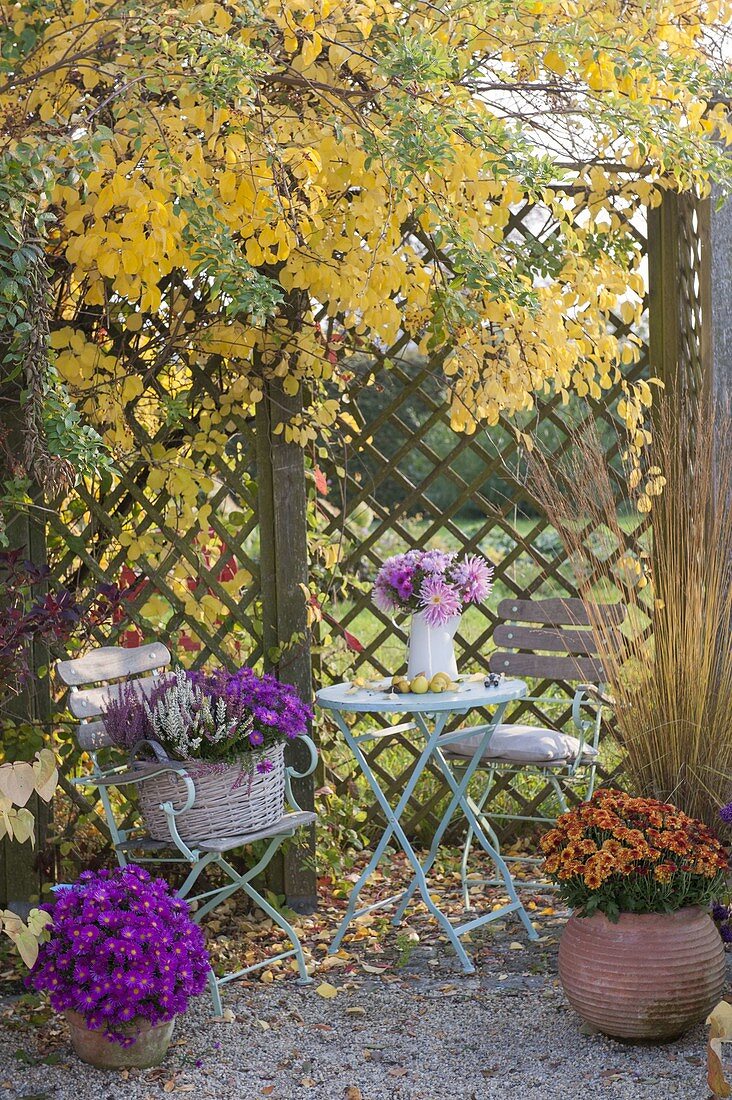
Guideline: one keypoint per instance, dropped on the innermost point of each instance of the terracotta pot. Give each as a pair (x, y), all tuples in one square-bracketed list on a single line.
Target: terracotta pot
[(148, 1049), (650, 976)]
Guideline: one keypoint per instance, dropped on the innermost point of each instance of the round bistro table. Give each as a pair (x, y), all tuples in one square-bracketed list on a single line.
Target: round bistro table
[(427, 715)]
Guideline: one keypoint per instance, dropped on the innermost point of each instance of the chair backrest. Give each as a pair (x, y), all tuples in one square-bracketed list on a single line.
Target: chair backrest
[(99, 667), (554, 639)]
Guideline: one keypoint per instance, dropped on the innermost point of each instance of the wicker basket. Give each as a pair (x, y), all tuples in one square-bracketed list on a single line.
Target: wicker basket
[(228, 802)]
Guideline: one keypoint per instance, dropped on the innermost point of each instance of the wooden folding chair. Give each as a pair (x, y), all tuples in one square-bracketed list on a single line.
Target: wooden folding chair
[(553, 642), (109, 669)]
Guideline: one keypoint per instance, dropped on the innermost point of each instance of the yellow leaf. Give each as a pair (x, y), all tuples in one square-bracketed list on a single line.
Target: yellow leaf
[(325, 989), (311, 48), (720, 1031), (554, 62)]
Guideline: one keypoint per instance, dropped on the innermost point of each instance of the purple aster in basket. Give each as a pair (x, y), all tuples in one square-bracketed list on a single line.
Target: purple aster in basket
[(726, 813), (217, 716), (439, 601), (115, 977)]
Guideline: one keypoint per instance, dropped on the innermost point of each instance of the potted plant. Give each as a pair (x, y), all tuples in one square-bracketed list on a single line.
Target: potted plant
[(640, 957), (122, 959), (434, 588), (227, 731)]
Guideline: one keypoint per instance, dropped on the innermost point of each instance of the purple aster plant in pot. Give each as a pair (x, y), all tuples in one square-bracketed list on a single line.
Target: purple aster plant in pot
[(122, 959), (210, 748), (434, 587)]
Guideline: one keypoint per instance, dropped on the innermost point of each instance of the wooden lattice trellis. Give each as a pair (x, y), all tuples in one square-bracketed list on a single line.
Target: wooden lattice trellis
[(397, 473), (395, 437)]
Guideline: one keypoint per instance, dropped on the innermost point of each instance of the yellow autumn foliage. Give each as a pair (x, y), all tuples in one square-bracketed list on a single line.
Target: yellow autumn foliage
[(256, 190)]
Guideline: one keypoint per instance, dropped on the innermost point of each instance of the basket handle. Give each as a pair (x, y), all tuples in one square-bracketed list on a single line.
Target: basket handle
[(157, 750)]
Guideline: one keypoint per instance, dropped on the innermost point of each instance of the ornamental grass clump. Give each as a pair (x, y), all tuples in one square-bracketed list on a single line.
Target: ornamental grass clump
[(221, 717), (618, 854), (121, 949), (657, 539), (434, 583)]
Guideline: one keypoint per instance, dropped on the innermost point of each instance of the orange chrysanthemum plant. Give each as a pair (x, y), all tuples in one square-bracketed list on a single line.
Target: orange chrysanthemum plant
[(618, 854)]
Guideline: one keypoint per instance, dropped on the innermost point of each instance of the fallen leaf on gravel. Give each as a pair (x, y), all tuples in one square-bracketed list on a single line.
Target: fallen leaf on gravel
[(267, 1090), (307, 1082), (720, 1031), (373, 969), (355, 1010), (325, 989), (516, 946), (398, 1071), (226, 1017), (352, 1092)]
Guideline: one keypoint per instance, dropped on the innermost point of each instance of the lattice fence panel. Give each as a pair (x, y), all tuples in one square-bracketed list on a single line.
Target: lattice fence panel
[(412, 482), (409, 482), (192, 575)]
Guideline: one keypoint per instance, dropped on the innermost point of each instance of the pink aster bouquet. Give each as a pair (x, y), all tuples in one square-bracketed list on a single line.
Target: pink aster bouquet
[(433, 583)]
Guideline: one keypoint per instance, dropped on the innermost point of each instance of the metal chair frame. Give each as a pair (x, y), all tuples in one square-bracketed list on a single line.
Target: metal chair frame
[(554, 617), (115, 663)]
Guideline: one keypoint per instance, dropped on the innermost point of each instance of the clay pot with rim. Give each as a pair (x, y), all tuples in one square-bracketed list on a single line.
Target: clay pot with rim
[(650, 976), (149, 1048)]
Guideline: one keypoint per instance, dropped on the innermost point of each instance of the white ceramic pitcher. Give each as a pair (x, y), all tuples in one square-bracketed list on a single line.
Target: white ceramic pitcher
[(431, 648)]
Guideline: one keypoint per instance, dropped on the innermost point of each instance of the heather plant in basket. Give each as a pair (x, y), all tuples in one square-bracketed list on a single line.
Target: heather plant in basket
[(618, 854), (121, 949), (219, 716)]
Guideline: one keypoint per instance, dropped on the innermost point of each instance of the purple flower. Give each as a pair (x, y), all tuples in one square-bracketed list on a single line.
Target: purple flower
[(726, 813), (144, 966), (439, 601), (404, 583), (475, 577), (385, 596), (229, 714), (436, 561), (264, 767)]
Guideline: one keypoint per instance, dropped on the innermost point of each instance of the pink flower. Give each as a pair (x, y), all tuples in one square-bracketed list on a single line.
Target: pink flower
[(440, 601), (475, 577), (384, 595)]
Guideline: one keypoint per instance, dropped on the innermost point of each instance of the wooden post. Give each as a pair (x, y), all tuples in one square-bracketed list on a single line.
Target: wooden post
[(720, 246), (21, 872), (284, 568)]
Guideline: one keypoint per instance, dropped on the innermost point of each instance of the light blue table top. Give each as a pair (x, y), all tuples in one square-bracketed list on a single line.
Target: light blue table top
[(342, 697)]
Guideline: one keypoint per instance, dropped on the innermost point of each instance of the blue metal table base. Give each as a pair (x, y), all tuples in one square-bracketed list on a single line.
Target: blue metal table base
[(434, 741)]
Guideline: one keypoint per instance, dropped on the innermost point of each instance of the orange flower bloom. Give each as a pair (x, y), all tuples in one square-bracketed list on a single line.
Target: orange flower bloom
[(616, 836)]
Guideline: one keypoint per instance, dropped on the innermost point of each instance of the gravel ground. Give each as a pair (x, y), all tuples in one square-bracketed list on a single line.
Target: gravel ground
[(424, 1031)]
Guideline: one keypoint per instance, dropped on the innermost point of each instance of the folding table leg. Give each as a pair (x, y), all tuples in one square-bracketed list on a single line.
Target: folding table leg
[(485, 795), (469, 808), (459, 790), (394, 829)]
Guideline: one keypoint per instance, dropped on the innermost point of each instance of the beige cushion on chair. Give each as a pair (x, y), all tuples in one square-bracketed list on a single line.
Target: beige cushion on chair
[(524, 744)]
